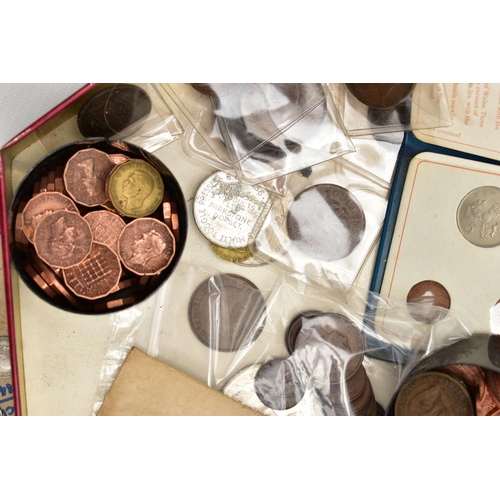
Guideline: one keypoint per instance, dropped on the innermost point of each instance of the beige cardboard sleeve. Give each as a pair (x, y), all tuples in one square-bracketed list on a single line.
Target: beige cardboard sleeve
[(147, 387)]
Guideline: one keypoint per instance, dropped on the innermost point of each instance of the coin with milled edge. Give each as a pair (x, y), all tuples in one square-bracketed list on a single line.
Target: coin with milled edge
[(381, 95), (478, 217), (63, 239), (424, 299), (234, 255), (135, 188), (226, 210), (106, 227), (5, 367), (227, 312), (146, 246), (433, 394), (326, 222)]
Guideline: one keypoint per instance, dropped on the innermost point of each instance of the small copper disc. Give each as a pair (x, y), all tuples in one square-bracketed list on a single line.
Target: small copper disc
[(106, 227), (63, 239), (146, 246), (381, 95), (422, 299)]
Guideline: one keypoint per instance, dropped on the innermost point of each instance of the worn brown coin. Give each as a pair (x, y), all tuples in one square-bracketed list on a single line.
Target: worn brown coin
[(41, 205), (135, 188), (227, 312), (330, 342), (294, 328), (96, 275), (117, 110), (424, 297), (353, 388), (326, 222), (146, 246), (433, 394), (63, 239), (279, 384), (106, 227), (381, 95), (85, 176), (215, 89)]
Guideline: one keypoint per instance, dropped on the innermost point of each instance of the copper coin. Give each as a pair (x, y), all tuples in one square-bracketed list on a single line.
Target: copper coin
[(120, 109), (106, 227), (40, 281), (279, 384), (85, 176), (294, 328), (353, 388), (422, 299), (146, 246), (215, 89), (433, 394), (118, 159), (41, 205), (326, 222), (381, 95), (63, 239), (227, 312), (470, 375), (493, 383), (96, 275), (333, 341)]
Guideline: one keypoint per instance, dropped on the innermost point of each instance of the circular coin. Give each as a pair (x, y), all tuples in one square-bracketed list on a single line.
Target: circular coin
[(433, 394), (85, 176), (146, 246), (226, 210), (5, 366), (63, 239), (96, 275), (423, 299), (381, 95), (294, 328), (326, 222), (120, 108), (106, 227), (330, 343), (235, 255), (478, 217), (41, 205), (279, 384), (227, 312), (135, 188)]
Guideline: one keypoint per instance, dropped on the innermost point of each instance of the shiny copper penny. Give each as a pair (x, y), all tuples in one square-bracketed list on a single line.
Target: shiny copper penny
[(433, 394), (422, 299), (279, 384), (470, 375), (146, 246), (118, 159), (381, 95), (106, 227), (227, 312), (96, 275), (63, 239), (85, 176), (326, 222), (493, 383), (39, 280), (331, 342), (41, 205)]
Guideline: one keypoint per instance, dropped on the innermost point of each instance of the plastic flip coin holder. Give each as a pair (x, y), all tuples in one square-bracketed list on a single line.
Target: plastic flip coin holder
[(24, 256)]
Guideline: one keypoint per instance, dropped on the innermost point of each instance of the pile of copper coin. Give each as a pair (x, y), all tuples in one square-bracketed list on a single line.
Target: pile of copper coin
[(331, 349), (96, 231)]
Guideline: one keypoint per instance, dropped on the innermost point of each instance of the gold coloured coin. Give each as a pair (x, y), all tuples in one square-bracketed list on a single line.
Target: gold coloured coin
[(234, 255), (135, 188)]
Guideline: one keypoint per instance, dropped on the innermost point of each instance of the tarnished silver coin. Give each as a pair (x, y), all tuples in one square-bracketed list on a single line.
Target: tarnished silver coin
[(226, 210), (241, 388), (5, 366), (478, 216)]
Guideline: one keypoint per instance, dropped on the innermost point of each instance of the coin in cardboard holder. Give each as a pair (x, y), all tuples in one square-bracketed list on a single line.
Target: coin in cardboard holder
[(129, 291)]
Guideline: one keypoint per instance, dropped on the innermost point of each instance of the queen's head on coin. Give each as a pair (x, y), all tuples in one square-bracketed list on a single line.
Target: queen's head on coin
[(147, 246)]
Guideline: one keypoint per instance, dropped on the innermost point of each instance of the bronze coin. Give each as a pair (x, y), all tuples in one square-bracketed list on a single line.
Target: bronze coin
[(118, 159), (331, 340), (279, 384), (146, 246), (227, 312), (117, 110), (96, 275), (353, 389), (41, 205), (381, 95), (470, 375), (215, 89), (106, 227), (294, 328), (493, 383), (326, 222), (433, 394), (85, 176), (422, 298), (63, 239)]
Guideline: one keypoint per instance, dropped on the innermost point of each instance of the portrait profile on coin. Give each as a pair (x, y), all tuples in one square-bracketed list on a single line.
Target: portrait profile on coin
[(136, 188)]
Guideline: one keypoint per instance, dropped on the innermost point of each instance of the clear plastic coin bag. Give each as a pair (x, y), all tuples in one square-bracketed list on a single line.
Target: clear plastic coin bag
[(262, 130)]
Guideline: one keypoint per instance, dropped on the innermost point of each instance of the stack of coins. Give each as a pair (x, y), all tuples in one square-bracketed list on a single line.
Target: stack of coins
[(96, 231), (331, 349)]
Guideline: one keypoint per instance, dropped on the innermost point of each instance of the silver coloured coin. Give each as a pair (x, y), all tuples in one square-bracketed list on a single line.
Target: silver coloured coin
[(478, 217), (5, 366), (226, 210), (241, 388)]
